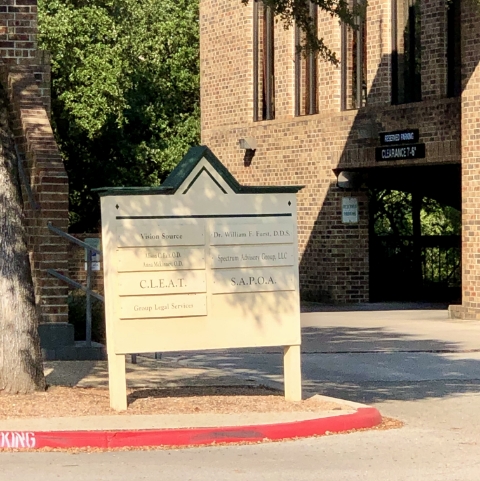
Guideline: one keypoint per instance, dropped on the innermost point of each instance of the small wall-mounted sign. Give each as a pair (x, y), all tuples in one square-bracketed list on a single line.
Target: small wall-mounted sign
[(94, 242), (349, 210), (400, 137)]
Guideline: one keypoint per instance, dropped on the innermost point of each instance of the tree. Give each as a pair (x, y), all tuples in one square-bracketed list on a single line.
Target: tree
[(125, 92), (21, 367), (119, 77)]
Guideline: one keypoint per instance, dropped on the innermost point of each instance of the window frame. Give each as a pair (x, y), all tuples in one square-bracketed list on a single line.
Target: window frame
[(267, 54), (306, 62), (360, 63), (414, 92)]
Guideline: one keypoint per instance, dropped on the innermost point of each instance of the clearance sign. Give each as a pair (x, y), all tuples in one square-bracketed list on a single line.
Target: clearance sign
[(400, 152), (400, 145)]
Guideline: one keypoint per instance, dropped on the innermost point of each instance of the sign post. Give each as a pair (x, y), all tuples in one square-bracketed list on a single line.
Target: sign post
[(200, 262)]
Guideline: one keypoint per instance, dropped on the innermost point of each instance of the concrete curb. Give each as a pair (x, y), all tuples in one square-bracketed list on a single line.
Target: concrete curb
[(364, 417)]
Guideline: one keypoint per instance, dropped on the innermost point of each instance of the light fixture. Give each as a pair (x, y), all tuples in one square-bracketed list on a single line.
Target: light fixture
[(348, 180), (248, 143)]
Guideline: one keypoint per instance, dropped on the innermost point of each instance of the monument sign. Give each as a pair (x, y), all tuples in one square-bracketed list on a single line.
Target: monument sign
[(200, 262)]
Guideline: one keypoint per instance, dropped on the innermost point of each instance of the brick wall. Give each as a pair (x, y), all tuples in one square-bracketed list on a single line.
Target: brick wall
[(25, 73), (434, 60), (18, 32), (470, 308), (43, 78), (334, 257)]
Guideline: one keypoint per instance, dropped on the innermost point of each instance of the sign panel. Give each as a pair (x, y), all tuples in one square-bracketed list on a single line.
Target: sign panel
[(400, 137), (251, 256), (231, 233), (160, 258), (349, 210), (144, 307), (400, 152), (167, 282), (155, 233), (253, 280)]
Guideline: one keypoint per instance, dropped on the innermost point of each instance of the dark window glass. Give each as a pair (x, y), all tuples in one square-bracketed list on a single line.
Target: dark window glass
[(306, 73), (354, 62), (263, 62), (454, 49), (406, 55)]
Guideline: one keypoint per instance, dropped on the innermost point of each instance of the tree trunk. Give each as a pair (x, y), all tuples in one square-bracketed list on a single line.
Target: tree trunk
[(21, 366)]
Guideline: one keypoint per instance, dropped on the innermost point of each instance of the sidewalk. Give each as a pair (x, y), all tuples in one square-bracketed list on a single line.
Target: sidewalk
[(169, 405)]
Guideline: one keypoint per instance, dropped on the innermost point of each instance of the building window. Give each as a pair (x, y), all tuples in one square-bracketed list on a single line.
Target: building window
[(454, 49), (263, 62), (354, 61), (406, 53), (306, 70)]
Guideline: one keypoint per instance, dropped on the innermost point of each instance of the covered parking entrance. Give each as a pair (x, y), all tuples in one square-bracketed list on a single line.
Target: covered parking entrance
[(414, 232)]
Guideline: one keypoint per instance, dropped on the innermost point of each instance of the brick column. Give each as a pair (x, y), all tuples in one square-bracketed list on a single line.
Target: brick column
[(49, 183), (470, 308), (25, 72)]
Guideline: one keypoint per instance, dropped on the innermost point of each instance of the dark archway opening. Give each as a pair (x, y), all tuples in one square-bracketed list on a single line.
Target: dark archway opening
[(415, 233)]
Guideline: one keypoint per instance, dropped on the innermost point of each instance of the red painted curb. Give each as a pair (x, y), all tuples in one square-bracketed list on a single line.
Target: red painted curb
[(366, 417)]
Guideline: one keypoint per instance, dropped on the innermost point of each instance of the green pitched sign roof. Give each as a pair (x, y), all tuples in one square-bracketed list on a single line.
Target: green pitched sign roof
[(185, 168)]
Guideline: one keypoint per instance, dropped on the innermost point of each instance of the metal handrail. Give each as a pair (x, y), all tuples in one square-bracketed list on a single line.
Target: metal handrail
[(75, 284), (88, 288), (73, 239)]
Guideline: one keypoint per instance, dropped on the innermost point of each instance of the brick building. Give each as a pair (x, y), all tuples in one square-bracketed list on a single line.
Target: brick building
[(25, 76), (411, 66)]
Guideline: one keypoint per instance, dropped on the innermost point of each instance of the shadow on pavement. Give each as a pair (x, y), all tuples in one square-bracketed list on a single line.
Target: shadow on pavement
[(364, 364), (373, 306), (378, 392), (345, 339)]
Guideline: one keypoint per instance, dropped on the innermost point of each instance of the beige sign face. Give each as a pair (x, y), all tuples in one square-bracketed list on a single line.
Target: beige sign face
[(233, 233), (160, 259), (159, 233), (167, 282), (253, 280), (251, 256), (202, 267), (146, 307)]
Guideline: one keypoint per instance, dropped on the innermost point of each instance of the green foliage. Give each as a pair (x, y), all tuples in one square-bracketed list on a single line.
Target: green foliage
[(439, 220), (392, 212), (393, 215), (427, 267), (125, 91)]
